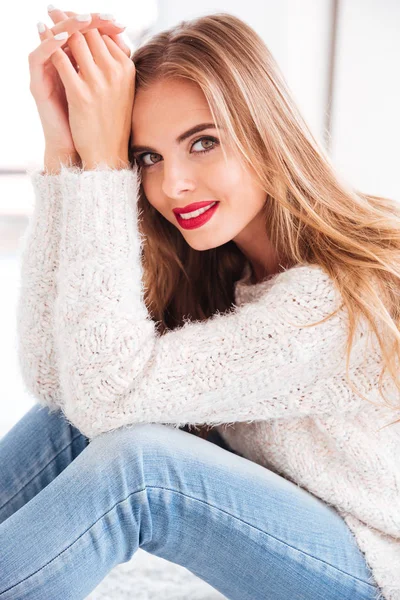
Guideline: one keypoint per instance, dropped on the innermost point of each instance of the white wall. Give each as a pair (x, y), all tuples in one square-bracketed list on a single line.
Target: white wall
[(366, 121), (307, 68)]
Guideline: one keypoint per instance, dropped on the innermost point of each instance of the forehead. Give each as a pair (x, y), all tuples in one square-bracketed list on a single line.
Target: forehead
[(166, 107)]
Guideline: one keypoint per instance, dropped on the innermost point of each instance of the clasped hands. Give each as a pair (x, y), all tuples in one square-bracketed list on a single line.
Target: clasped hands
[(100, 92)]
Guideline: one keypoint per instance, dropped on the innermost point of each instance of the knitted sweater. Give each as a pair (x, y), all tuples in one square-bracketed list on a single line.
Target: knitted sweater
[(274, 389)]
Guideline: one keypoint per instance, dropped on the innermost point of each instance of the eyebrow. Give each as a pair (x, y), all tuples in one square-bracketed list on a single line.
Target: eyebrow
[(181, 138)]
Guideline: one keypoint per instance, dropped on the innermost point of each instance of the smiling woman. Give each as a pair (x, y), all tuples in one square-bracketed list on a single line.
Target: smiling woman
[(216, 183), (154, 325), (181, 169), (279, 201)]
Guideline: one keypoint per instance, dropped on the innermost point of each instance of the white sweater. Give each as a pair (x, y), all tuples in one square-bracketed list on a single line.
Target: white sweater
[(274, 389)]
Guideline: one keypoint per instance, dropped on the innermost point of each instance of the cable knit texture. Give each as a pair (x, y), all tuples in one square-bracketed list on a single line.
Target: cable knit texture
[(274, 388)]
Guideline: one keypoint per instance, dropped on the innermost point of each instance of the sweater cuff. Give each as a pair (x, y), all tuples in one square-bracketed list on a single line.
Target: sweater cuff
[(47, 191), (100, 213)]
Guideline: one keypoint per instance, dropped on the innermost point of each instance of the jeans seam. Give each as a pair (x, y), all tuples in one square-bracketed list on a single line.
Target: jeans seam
[(265, 533), (148, 487), (39, 472), (74, 542)]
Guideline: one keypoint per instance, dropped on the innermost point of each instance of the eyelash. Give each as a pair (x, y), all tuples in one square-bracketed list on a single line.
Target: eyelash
[(139, 158)]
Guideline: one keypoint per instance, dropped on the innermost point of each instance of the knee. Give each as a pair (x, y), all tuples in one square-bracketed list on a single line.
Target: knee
[(130, 440)]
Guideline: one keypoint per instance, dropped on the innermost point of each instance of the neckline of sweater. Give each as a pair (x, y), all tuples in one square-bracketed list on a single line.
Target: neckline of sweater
[(245, 280)]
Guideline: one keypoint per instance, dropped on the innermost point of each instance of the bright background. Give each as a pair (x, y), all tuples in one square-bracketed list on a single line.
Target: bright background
[(340, 59)]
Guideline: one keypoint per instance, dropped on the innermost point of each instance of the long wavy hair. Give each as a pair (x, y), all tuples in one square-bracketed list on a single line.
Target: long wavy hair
[(312, 216)]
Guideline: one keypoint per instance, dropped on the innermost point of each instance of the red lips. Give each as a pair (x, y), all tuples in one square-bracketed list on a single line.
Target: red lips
[(192, 207)]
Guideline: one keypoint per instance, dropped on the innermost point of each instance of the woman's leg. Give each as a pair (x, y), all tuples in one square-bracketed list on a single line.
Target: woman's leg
[(248, 532), (32, 454)]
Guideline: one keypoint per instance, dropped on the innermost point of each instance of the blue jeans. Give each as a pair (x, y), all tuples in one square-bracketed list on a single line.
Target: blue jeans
[(70, 511)]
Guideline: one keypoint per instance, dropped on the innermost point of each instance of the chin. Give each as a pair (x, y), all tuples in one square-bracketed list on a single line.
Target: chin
[(203, 245)]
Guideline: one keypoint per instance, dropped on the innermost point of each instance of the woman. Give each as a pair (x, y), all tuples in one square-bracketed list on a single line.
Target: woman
[(255, 318)]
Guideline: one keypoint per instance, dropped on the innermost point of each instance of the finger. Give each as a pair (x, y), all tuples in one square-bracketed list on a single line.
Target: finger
[(104, 26), (98, 49), (121, 44), (93, 39), (114, 49), (57, 16), (47, 34), (49, 48), (68, 52), (74, 27), (67, 73), (88, 49), (78, 43)]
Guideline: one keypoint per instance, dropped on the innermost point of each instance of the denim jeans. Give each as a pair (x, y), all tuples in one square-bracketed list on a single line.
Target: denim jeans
[(70, 511)]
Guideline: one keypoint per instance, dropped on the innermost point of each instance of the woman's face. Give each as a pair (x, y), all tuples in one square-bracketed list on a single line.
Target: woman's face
[(176, 174)]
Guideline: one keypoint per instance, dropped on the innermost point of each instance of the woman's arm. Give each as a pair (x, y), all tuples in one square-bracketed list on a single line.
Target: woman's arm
[(39, 250), (255, 363)]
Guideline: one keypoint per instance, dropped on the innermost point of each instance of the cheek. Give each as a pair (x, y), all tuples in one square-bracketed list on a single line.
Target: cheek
[(228, 176), (150, 191), (230, 187), (156, 199), (244, 189)]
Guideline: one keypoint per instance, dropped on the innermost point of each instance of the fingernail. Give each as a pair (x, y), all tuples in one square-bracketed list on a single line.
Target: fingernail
[(85, 17), (61, 36), (51, 7), (120, 25), (106, 16), (41, 27)]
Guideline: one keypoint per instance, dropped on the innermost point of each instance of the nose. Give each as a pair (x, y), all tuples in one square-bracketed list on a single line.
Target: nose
[(178, 178)]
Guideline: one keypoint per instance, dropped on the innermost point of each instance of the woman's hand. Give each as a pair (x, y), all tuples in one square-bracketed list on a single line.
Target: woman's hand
[(104, 26), (46, 86), (100, 97)]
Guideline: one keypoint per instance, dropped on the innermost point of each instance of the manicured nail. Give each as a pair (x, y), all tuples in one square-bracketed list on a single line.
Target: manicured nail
[(106, 16), (61, 36), (41, 27), (51, 7), (120, 25), (84, 17)]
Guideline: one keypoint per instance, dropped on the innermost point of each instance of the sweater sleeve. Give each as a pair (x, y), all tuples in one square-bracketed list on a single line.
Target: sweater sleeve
[(257, 362), (38, 255)]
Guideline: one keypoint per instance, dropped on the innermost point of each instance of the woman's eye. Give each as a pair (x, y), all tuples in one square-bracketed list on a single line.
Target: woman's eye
[(143, 164), (206, 139)]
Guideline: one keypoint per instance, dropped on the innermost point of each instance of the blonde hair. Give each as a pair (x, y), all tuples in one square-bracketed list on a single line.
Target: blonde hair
[(311, 215)]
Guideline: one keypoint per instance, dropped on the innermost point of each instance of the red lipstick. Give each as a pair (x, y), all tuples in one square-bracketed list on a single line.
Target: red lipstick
[(198, 220), (192, 207)]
